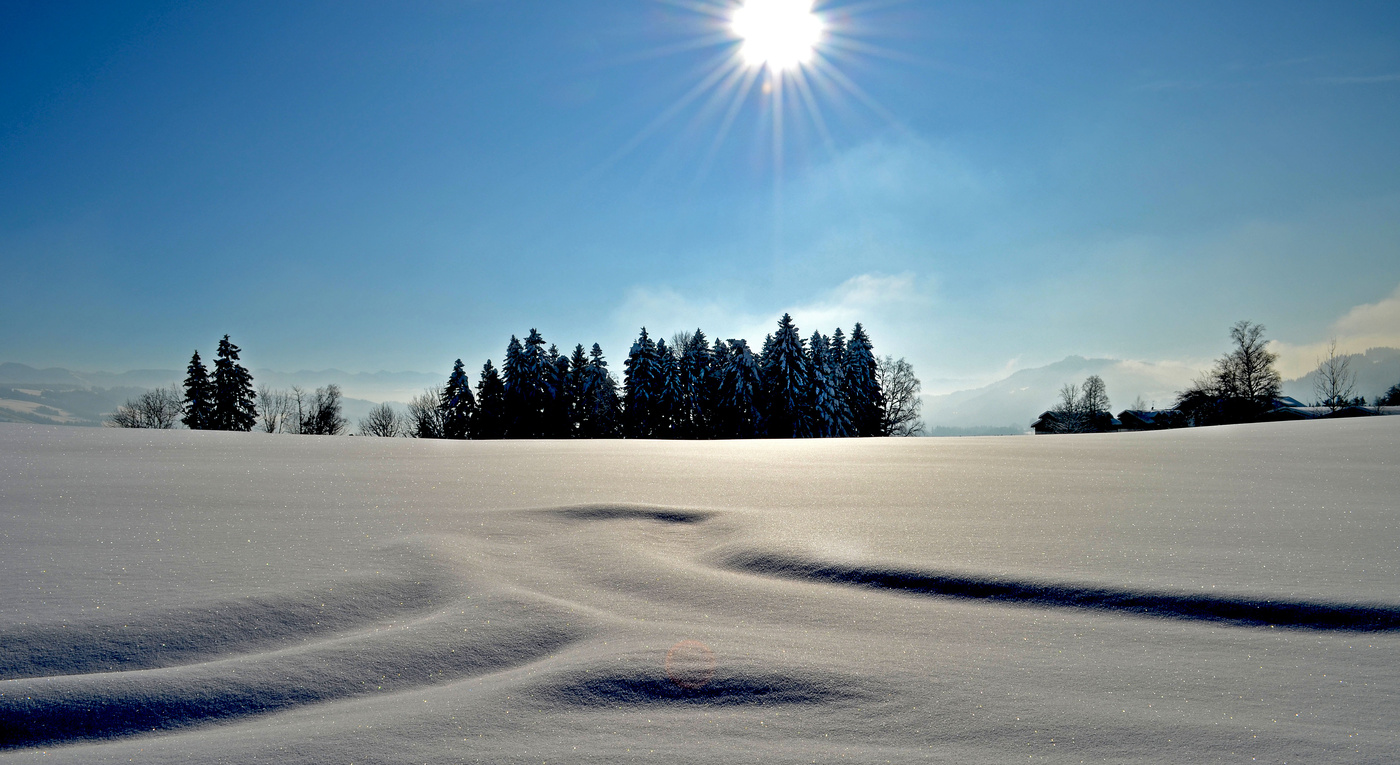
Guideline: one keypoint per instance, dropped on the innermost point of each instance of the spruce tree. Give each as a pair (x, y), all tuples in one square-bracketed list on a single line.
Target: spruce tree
[(458, 405), (235, 405), (603, 410), (490, 419), (671, 399), (556, 410), (694, 368), (199, 396), (823, 402), (862, 386), (515, 380), (639, 389), (836, 365), (714, 389), (575, 385), (740, 404), (535, 388), (786, 379)]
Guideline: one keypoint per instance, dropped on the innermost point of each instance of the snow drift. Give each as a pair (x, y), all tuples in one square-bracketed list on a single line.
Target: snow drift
[(1210, 595)]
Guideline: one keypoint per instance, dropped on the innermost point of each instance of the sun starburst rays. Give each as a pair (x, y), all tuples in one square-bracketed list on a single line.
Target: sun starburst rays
[(787, 53)]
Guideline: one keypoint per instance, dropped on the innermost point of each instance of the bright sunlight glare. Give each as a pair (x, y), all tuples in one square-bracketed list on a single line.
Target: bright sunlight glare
[(781, 34)]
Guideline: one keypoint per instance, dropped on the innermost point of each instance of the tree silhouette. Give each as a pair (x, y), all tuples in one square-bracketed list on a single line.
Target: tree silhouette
[(199, 396), (234, 398)]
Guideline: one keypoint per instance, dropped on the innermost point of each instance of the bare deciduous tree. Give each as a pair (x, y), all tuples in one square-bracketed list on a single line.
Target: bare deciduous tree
[(159, 409), (1082, 409), (1335, 384), (384, 422), (1241, 388), (275, 410), (1068, 416), (319, 413), (901, 391), (426, 418)]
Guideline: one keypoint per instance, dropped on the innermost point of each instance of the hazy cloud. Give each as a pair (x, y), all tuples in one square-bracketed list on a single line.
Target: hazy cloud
[(1370, 325)]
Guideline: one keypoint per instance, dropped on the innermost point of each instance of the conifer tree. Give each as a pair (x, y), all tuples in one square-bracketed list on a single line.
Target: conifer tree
[(639, 388), (862, 386), (199, 396), (602, 412), (556, 409), (836, 365), (235, 405), (535, 387), (786, 379), (694, 369), (741, 395), (714, 389), (574, 387), (671, 399), (490, 419), (823, 404), (458, 405), (514, 378)]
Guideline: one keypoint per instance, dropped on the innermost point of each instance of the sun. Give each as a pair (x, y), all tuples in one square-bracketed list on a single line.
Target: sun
[(779, 34)]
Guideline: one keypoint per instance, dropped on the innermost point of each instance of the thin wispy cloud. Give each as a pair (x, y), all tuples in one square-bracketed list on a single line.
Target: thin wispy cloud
[(1374, 79)]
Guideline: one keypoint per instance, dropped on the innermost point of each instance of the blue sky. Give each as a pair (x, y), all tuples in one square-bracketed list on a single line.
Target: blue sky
[(393, 186)]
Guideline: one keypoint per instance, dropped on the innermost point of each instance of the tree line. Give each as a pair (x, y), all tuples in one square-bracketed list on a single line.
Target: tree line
[(692, 388), (792, 387)]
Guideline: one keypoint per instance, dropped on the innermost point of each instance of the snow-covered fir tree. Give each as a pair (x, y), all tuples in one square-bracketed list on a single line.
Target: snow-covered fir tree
[(694, 369), (671, 404), (458, 405), (199, 396), (785, 382), (714, 387), (556, 397), (575, 383), (640, 384), (824, 410), (741, 394), (536, 391), (235, 406), (603, 409), (862, 386), (836, 364), (515, 380)]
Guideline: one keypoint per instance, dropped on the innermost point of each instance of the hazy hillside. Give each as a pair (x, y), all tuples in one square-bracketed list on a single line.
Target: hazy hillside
[(1376, 370), (1018, 399)]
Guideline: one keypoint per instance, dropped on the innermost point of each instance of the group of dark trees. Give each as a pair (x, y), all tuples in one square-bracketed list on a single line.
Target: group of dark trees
[(825, 386), (1241, 387), (219, 401), (225, 400)]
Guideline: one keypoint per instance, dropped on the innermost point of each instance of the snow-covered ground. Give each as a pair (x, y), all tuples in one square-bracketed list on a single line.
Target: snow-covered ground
[(1215, 595)]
